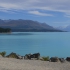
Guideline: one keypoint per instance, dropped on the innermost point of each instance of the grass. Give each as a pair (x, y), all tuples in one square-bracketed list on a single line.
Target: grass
[(46, 58)]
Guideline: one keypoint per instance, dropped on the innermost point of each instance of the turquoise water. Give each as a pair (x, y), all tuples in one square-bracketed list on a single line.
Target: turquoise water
[(46, 43)]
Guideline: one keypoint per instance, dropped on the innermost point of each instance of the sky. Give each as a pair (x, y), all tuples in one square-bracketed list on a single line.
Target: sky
[(53, 12)]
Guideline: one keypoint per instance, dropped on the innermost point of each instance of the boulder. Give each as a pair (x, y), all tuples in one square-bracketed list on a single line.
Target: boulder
[(27, 56), (32, 56), (54, 59), (68, 58), (20, 57), (36, 55), (62, 59)]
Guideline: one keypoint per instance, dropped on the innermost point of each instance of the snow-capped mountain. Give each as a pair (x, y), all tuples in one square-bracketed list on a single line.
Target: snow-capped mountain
[(64, 28)]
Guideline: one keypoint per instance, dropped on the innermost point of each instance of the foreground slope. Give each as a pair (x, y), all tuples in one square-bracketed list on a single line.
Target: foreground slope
[(16, 64)]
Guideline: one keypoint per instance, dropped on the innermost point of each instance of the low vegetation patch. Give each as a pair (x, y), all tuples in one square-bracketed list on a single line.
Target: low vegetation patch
[(46, 58), (3, 53), (12, 55)]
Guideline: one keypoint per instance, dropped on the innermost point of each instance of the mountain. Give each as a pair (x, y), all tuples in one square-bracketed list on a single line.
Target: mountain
[(64, 28), (26, 26), (2, 22)]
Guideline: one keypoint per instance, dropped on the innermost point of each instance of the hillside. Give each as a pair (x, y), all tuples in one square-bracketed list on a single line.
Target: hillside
[(64, 28), (26, 26)]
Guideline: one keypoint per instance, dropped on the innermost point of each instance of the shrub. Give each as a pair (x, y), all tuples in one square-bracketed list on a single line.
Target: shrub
[(12, 55), (46, 58), (3, 53)]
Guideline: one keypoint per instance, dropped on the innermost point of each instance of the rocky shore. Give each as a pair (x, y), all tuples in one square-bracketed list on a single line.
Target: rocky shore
[(32, 62)]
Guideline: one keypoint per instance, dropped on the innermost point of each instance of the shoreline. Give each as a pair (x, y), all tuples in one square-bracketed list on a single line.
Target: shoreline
[(35, 56)]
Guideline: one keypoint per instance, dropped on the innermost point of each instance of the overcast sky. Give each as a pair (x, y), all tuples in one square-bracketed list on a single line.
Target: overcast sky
[(52, 12)]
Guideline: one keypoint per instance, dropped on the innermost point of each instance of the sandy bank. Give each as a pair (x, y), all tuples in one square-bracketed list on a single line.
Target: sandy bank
[(16, 64)]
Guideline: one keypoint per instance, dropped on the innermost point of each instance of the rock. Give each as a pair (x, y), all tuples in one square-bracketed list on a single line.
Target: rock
[(27, 56), (20, 57), (62, 59), (54, 59), (32, 56), (36, 55), (68, 58)]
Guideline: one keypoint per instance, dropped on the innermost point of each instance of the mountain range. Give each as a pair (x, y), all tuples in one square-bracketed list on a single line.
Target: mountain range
[(21, 25)]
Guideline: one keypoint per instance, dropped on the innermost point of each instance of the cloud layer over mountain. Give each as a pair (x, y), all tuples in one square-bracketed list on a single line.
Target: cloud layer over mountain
[(36, 5)]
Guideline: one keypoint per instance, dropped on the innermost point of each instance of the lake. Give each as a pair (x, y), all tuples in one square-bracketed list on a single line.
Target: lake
[(46, 43)]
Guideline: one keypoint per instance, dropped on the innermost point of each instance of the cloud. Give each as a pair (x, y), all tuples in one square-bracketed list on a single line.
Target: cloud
[(68, 16), (48, 5), (39, 13)]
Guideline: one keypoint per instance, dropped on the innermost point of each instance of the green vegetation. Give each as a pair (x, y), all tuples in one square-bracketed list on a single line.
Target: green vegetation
[(5, 30), (46, 58), (12, 55), (3, 53)]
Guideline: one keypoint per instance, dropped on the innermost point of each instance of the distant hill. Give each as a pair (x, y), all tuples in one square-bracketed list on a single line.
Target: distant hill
[(64, 28), (27, 25)]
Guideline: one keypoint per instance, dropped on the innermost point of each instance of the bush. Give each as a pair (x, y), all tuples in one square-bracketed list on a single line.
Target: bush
[(46, 58), (3, 53), (13, 55)]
